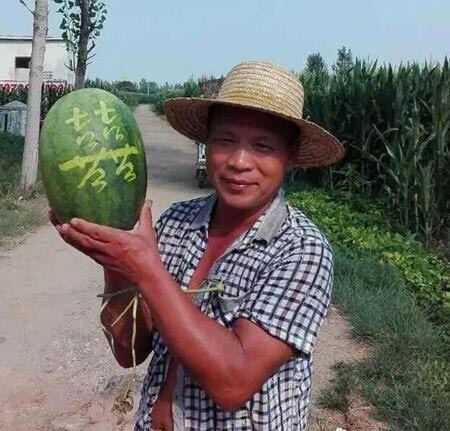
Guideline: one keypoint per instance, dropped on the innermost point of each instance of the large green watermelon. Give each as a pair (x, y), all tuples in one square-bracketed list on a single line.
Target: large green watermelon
[(92, 159)]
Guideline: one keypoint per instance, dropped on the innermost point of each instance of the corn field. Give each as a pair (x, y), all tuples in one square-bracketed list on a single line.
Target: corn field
[(394, 124)]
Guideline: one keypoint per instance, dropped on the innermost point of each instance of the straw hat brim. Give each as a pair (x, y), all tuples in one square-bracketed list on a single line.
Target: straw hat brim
[(317, 148)]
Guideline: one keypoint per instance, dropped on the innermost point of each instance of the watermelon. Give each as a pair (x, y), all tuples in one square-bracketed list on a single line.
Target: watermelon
[(92, 159)]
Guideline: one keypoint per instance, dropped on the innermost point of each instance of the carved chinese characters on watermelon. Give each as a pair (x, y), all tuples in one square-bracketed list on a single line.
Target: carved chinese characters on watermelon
[(95, 175)]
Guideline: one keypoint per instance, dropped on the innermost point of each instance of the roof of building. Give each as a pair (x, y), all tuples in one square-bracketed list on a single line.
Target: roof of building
[(15, 105), (49, 38)]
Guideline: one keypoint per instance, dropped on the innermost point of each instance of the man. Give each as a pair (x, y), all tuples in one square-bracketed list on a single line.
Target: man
[(237, 354)]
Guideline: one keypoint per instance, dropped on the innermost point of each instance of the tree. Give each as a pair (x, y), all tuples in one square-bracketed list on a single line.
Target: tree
[(81, 24), (344, 61), (315, 73), (30, 155), (148, 87), (315, 65), (191, 88), (126, 86)]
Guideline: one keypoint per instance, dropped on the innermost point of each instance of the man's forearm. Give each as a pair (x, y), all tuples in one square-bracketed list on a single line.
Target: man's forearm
[(211, 353), (122, 330)]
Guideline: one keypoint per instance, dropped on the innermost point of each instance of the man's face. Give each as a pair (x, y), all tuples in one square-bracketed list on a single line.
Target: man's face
[(247, 155)]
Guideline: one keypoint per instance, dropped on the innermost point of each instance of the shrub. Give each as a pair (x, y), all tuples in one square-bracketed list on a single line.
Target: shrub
[(369, 231)]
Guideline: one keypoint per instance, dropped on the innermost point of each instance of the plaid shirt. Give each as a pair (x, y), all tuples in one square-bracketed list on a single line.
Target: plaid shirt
[(278, 274)]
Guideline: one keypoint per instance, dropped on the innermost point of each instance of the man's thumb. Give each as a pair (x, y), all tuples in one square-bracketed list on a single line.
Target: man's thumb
[(145, 216)]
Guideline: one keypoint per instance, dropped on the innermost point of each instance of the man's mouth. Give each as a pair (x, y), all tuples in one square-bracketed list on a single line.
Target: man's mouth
[(237, 184), (238, 181)]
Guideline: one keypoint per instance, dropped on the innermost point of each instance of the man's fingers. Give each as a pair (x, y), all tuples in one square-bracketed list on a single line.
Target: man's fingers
[(72, 243), (98, 257), (96, 231), (52, 217), (54, 221), (82, 242)]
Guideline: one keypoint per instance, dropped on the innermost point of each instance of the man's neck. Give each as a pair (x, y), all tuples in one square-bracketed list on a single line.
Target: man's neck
[(226, 220)]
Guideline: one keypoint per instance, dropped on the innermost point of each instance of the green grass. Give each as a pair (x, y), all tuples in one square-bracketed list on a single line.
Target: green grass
[(407, 377), (17, 216)]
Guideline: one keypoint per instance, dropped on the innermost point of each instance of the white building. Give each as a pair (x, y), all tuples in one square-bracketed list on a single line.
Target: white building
[(15, 53)]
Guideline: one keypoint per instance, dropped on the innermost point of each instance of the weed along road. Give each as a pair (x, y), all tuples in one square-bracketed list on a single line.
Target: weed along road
[(56, 369)]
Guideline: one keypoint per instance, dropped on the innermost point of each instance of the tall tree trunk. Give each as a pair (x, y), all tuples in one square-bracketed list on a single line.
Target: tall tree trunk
[(30, 152), (80, 72)]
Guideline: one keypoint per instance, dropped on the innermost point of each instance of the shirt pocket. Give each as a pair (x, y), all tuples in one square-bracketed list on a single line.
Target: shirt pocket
[(227, 306)]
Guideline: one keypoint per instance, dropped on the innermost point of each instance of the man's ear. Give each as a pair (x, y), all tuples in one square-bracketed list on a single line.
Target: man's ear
[(293, 151)]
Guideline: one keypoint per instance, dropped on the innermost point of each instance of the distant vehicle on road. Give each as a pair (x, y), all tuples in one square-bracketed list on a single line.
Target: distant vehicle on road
[(200, 165)]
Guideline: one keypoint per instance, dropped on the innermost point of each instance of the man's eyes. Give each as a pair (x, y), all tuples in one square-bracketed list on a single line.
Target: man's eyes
[(263, 147), (258, 146), (223, 140)]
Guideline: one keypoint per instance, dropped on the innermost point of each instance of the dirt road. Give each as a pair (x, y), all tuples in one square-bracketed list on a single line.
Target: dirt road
[(56, 370)]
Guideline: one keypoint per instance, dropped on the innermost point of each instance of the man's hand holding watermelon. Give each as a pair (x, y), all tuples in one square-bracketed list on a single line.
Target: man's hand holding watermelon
[(129, 253)]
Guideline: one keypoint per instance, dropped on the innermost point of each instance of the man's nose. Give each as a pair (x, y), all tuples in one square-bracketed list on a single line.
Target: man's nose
[(240, 160)]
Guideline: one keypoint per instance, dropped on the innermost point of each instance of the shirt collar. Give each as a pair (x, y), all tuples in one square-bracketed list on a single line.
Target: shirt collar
[(273, 218), (266, 226), (203, 216)]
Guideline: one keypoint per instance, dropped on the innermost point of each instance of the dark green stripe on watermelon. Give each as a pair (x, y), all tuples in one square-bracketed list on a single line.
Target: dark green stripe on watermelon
[(118, 202)]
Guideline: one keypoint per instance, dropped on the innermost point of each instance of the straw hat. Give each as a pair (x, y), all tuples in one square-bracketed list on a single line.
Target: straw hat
[(265, 87)]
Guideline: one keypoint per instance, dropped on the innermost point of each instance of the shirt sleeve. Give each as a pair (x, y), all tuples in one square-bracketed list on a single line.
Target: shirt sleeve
[(291, 296)]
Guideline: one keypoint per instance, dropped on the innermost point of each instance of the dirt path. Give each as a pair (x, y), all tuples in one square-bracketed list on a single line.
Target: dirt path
[(56, 370)]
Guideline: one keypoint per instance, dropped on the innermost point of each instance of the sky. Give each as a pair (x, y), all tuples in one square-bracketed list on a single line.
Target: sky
[(173, 40)]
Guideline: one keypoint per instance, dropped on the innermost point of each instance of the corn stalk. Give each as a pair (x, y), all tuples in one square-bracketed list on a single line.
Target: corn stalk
[(394, 123)]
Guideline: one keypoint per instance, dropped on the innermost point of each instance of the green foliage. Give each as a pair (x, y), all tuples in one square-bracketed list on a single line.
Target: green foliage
[(126, 86), (49, 95), (7, 96), (316, 72), (407, 375), (191, 88), (315, 65), (148, 87), (11, 148), (99, 83), (395, 125), (130, 98), (72, 23), (368, 229), (164, 95), (344, 62), (16, 216), (337, 397)]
